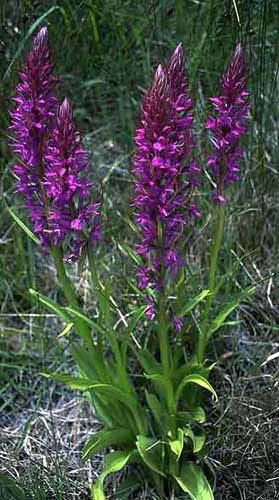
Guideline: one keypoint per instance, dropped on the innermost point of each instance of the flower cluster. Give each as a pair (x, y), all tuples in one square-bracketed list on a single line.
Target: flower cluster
[(51, 160), (66, 186), (31, 119), (164, 181), (231, 108)]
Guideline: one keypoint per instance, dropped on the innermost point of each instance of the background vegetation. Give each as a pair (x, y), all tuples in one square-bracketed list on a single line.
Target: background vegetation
[(105, 52)]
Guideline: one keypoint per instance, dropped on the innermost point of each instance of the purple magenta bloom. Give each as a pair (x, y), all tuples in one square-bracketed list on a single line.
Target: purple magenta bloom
[(178, 323), (66, 186), (52, 166), (150, 310), (164, 180), (35, 109), (229, 124)]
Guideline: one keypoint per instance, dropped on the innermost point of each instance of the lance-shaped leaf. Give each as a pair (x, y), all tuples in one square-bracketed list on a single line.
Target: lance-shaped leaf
[(197, 439), (125, 337), (148, 362), (195, 379), (219, 321), (104, 438), (50, 304), (196, 414), (177, 444), (152, 453), (21, 224), (113, 463), (191, 304), (193, 481), (82, 384), (158, 410)]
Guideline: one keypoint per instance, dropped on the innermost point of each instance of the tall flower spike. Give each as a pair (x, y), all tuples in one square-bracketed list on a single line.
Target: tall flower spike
[(67, 187), (52, 161), (164, 181), (35, 108), (231, 110)]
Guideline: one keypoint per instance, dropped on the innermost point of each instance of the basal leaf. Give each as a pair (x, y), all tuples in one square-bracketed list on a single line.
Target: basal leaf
[(177, 444), (148, 362), (82, 384), (195, 379), (104, 438), (192, 415), (197, 439), (114, 462), (157, 409), (152, 453), (193, 481), (83, 359)]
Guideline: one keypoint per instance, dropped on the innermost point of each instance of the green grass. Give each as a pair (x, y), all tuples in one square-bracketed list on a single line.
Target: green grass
[(105, 53)]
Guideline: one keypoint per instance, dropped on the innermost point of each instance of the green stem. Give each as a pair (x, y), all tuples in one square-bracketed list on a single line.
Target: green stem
[(166, 362), (64, 281), (70, 294), (218, 235), (122, 372)]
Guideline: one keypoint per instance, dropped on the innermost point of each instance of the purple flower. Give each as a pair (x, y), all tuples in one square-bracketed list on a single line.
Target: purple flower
[(35, 109), (52, 163), (164, 181), (178, 323), (228, 125), (150, 310), (66, 186)]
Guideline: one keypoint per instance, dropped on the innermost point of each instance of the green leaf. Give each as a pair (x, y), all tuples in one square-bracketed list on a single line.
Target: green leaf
[(83, 359), (197, 439), (158, 410), (148, 362), (115, 394), (195, 379), (87, 320), (193, 415), (85, 384), (114, 462), (191, 304), (51, 305), (129, 329), (66, 330), (177, 444), (193, 481), (82, 384), (219, 321), (188, 368), (104, 438), (128, 251), (26, 229), (152, 453)]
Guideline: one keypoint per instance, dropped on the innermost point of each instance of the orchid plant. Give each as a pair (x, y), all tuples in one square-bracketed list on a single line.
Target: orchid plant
[(157, 423)]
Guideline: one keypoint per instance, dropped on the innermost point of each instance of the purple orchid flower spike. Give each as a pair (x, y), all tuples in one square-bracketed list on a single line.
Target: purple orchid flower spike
[(164, 180), (67, 187), (52, 163), (228, 125), (36, 106)]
